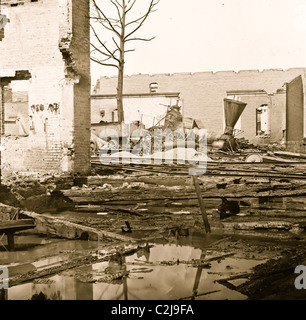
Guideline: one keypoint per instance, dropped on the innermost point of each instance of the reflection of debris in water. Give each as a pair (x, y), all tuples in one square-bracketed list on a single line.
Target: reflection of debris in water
[(143, 251), (40, 296), (138, 277)]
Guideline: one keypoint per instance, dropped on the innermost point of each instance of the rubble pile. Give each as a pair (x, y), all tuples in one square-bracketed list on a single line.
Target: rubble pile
[(31, 190)]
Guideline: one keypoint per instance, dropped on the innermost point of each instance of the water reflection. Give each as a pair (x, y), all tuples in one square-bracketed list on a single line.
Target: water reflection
[(58, 288), (197, 278), (148, 278), (33, 247)]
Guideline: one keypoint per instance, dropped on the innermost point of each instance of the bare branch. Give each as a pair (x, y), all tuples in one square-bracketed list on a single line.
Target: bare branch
[(102, 60), (106, 59), (140, 39), (103, 45), (129, 50), (92, 51), (153, 3), (107, 19), (140, 18), (97, 37), (119, 4), (131, 7), (100, 51), (116, 44), (118, 11), (103, 64), (116, 23), (104, 20)]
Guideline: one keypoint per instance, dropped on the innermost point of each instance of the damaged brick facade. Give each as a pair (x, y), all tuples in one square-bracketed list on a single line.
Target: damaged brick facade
[(48, 42)]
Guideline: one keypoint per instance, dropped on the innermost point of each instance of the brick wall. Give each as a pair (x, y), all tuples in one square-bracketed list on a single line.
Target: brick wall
[(203, 93), (80, 48), (278, 116), (295, 110), (49, 39), (248, 117)]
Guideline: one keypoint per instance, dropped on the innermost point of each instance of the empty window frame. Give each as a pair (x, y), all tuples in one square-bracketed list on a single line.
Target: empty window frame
[(262, 120)]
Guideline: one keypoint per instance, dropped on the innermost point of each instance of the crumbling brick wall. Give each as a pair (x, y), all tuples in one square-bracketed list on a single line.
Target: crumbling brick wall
[(203, 93), (295, 114), (48, 42)]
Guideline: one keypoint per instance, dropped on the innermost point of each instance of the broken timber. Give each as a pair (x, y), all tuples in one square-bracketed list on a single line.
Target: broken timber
[(12, 226), (100, 197), (69, 230), (201, 203)]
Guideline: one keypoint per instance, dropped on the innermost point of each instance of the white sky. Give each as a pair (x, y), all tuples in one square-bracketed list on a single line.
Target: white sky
[(216, 35)]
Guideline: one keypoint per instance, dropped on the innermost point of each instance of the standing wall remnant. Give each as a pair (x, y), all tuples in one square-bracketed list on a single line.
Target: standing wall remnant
[(48, 43), (202, 94), (295, 115)]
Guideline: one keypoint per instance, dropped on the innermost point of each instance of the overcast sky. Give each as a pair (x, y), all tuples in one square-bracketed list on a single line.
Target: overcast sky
[(216, 35)]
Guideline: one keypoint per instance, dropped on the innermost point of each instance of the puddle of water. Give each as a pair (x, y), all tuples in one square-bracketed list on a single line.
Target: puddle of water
[(147, 280), (35, 253)]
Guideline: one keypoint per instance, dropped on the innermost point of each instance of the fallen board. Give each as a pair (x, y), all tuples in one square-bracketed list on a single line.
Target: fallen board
[(12, 226), (65, 229), (16, 225)]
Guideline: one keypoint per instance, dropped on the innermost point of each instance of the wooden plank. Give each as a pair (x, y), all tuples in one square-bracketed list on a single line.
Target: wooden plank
[(180, 196), (290, 154), (269, 158), (69, 230), (282, 225), (151, 193), (16, 225)]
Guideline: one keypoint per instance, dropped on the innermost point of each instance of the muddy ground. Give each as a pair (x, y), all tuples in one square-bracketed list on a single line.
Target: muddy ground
[(278, 243), (275, 278)]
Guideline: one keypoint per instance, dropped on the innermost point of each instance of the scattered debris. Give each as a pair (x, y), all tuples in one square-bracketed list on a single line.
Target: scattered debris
[(145, 201), (228, 208), (129, 229), (112, 277)]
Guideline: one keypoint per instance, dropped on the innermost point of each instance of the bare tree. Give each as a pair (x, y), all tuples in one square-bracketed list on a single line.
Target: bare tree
[(122, 27)]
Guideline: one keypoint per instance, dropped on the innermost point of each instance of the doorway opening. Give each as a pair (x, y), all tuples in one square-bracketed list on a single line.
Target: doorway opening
[(16, 108), (262, 120)]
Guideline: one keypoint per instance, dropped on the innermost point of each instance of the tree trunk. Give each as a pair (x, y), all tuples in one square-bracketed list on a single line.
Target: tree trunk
[(119, 94), (121, 70)]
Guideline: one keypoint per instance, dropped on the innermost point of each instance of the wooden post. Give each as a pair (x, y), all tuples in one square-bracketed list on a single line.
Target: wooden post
[(201, 203), (10, 241)]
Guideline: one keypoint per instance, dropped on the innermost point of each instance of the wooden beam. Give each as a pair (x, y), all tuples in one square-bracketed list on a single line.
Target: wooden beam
[(69, 230), (201, 203), (12, 226), (10, 241)]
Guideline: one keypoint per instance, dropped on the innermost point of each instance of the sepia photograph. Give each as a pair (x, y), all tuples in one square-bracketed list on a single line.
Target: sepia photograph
[(152, 150)]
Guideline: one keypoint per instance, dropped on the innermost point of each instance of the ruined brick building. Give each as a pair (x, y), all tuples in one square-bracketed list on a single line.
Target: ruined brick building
[(202, 94), (47, 44)]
